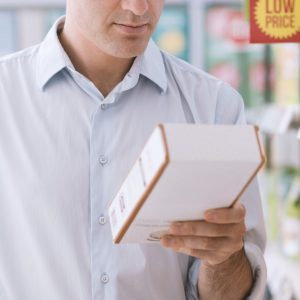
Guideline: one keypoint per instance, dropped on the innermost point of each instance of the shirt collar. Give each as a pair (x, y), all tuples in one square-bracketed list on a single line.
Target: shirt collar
[(153, 67), (52, 58)]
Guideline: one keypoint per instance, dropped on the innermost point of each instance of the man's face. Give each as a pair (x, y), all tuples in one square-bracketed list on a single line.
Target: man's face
[(120, 28)]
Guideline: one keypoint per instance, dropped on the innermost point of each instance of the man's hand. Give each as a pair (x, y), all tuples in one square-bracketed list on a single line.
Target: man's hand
[(218, 242), (213, 240)]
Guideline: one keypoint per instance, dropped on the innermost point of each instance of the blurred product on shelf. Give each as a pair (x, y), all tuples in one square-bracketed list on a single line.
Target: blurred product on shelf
[(287, 66), (281, 123), (291, 221), (240, 64), (172, 31), (8, 34)]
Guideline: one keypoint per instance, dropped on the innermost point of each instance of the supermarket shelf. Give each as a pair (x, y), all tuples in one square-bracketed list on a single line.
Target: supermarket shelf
[(283, 275)]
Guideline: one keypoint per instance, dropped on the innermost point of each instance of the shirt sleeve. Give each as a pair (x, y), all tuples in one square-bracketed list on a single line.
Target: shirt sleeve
[(256, 259), (230, 110), (255, 238)]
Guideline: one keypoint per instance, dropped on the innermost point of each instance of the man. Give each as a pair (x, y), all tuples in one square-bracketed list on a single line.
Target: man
[(75, 113)]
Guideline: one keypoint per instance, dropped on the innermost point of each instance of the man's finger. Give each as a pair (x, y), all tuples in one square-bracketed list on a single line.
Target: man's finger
[(235, 214), (202, 243), (205, 229)]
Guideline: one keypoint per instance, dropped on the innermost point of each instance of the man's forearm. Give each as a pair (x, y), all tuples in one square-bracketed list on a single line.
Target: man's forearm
[(231, 279)]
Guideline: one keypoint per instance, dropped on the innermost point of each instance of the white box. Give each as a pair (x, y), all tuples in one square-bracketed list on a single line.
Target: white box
[(183, 170)]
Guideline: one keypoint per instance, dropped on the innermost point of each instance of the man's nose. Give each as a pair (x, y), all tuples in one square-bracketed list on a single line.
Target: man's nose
[(138, 7)]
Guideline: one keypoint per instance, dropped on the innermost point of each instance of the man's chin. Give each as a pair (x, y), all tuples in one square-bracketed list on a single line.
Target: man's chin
[(126, 49), (127, 54), (130, 54)]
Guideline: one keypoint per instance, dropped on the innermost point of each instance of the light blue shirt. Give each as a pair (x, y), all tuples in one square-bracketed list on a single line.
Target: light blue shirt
[(64, 152)]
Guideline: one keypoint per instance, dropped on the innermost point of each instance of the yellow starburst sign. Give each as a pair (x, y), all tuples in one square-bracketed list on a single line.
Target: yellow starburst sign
[(275, 20)]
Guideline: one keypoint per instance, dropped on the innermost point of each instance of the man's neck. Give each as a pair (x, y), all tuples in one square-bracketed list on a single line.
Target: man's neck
[(102, 69)]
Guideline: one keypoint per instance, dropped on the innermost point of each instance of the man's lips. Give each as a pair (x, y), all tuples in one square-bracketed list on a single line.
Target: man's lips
[(131, 28)]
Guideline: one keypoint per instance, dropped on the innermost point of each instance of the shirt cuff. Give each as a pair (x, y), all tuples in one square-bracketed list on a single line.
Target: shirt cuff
[(191, 290), (257, 262)]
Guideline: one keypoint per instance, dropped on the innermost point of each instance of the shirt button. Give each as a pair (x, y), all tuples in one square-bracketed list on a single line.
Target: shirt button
[(103, 106), (104, 278), (103, 160), (102, 220)]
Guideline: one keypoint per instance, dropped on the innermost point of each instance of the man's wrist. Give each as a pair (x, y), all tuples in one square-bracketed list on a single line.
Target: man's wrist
[(231, 279)]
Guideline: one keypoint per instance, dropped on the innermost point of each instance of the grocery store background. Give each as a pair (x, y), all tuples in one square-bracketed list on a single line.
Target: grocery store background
[(213, 35)]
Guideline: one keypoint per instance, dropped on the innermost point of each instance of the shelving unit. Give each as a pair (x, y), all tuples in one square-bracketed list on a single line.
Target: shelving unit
[(283, 274)]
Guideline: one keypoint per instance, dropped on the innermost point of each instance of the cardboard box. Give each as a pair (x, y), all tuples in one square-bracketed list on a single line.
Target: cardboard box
[(183, 170)]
